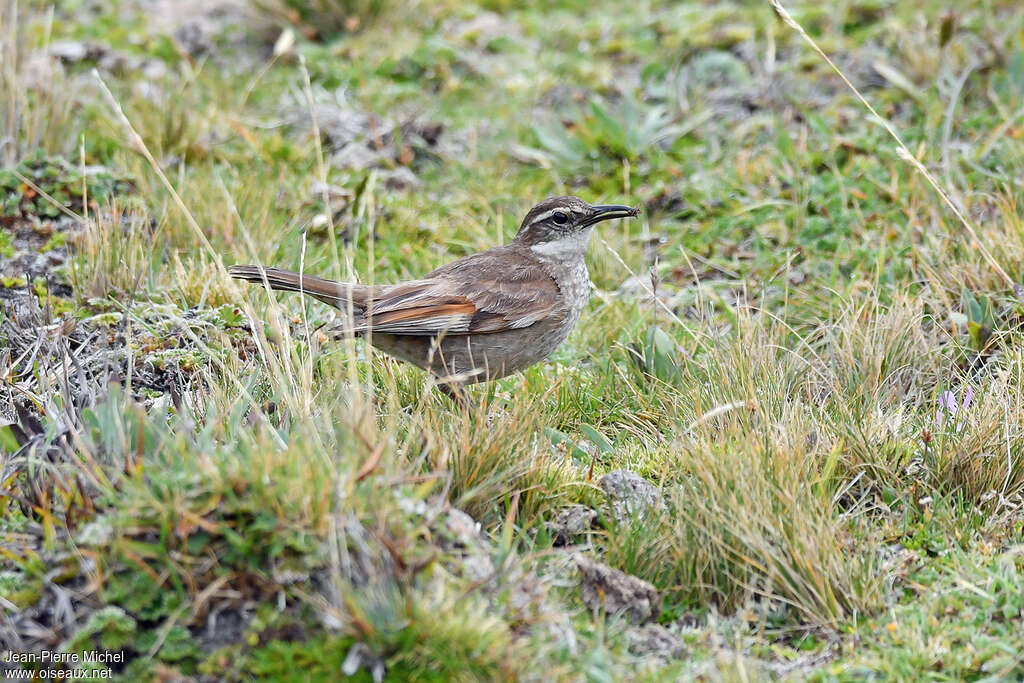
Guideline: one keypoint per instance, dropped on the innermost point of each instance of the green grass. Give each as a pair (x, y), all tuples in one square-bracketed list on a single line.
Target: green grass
[(218, 488)]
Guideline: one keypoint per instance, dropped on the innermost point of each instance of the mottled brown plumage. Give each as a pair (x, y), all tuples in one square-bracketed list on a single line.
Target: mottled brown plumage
[(479, 318)]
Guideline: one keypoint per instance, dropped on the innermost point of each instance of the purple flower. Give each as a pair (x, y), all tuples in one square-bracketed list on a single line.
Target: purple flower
[(949, 405)]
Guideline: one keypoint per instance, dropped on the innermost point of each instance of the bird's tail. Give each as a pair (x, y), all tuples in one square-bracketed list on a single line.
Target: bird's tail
[(337, 294)]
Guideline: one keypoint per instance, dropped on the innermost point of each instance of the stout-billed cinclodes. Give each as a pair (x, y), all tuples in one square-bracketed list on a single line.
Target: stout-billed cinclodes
[(479, 318)]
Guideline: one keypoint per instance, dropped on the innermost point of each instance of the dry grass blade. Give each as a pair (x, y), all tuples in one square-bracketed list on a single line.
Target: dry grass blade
[(139, 146), (902, 149)]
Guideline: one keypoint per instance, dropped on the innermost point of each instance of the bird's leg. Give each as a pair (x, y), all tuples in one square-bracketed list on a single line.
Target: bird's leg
[(457, 393)]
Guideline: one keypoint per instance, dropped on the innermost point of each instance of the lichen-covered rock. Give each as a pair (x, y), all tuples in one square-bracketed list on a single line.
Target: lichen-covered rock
[(570, 522), (656, 640), (630, 495), (617, 593)]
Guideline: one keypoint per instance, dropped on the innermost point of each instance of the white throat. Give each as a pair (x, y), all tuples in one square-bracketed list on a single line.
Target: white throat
[(565, 248)]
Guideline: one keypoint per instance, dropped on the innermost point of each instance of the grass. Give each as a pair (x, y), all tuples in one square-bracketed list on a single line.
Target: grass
[(197, 475)]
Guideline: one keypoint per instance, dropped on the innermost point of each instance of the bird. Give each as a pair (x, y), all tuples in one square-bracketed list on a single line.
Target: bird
[(481, 317)]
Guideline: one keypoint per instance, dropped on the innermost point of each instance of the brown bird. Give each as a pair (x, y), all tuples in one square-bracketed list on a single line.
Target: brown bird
[(482, 317)]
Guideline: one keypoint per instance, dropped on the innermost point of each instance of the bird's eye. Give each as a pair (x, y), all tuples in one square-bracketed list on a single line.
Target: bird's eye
[(560, 218)]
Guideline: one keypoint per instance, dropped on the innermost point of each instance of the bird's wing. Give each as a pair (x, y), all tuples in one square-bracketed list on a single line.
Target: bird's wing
[(490, 292)]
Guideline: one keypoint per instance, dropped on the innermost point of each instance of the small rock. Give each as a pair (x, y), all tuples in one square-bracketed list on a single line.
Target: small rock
[(616, 592), (526, 593), (630, 494), (338, 197), (400, 178), (469, 552), (153, 69), (119, 62), (225, 626), (655, 639), (670, 202), (194, 38), (358, 156), (477, 569), (341, 125), (463, 530), (482, 27), (796, 277), (75, 51), (68, 50), (570, 522)]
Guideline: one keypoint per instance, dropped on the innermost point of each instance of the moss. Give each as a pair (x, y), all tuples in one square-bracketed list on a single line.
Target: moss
[(12, 282), (6, 243), (54, 179), (56, 241)]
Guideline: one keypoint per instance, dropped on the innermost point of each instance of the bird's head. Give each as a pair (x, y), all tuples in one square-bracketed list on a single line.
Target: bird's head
[(560, 226)]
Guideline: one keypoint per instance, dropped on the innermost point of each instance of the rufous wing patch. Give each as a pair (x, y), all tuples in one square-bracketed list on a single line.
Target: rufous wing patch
[(424, 313)]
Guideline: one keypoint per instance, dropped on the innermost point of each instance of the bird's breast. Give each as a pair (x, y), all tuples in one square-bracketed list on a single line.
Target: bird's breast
[(573, 282)]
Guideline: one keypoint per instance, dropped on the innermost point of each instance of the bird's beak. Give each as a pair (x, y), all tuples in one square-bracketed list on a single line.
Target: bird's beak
[(606, 212)]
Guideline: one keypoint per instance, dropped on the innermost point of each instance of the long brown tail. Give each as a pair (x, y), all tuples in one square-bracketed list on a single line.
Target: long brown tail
[(337, 294)]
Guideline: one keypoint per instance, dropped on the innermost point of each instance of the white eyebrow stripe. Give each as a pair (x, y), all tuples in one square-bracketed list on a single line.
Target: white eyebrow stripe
[(549, 213)]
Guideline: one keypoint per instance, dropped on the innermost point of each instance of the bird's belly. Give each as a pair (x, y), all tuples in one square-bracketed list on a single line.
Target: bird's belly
[(476, 358)]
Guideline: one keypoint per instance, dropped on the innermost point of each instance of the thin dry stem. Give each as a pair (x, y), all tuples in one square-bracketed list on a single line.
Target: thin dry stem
[(902, 149), (139, 146)]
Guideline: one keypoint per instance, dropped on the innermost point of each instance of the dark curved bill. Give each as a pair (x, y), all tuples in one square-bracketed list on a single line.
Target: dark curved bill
[(606, 212)]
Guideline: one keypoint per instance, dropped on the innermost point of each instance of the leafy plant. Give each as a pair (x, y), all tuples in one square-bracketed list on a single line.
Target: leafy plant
[(62, 184), (981, 318), (604, 134)]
